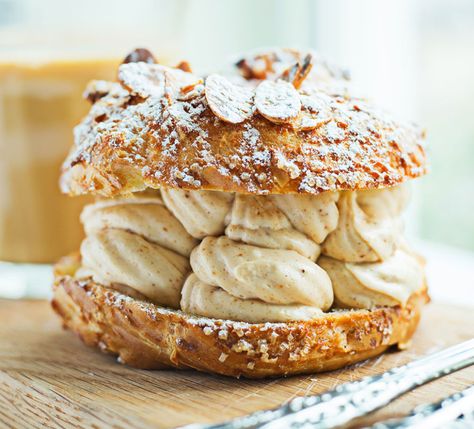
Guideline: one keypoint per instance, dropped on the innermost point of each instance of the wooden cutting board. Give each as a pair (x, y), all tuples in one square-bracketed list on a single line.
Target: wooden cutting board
[(48, 378)]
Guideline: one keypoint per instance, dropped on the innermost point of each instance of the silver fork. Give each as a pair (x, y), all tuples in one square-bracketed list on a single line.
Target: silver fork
[(350, 401), (444, 413)]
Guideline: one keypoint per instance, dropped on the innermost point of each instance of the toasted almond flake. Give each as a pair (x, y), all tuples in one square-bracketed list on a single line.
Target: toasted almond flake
[(191, 91), (307, 121), (268, 64), (97, 89), (154, 80), (289, 74), (112, 92), (142, 79), (257, 68), (181, 85), (251, 365), (297, 73), (356, 163), (229, 102), (303, 70), (316, 102), (315, 111), (278, 101), (223, 357), (185, 79)]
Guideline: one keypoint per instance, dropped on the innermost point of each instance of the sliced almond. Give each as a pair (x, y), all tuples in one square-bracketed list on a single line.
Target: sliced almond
[(278, 101), (229, 102), (303, 71), (107, 92), (154, 80), (143, 79), (315, 111), (181, 85), (307, 121), (191, 91), (269, 64), (317, 102), (96, 89), (184, 79), (297, 73), (256, 68), (289, 74)]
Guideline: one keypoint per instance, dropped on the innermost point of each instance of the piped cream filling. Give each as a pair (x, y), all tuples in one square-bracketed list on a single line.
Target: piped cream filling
[(256, 220), (254, 258), (274, 276), (367, 285), (117, 256), (202, 213), (147, 217), (369, 225), (201, 298)]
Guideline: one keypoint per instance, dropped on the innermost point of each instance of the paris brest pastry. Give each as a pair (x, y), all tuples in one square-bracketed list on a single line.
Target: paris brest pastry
[(247, 223)]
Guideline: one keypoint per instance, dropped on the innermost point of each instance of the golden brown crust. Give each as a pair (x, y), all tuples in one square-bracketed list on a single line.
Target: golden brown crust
[(163, 128), (146, 336)]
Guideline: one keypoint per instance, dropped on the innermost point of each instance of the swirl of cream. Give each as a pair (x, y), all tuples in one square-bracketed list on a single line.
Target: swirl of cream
[(366, 285), (369, 225), (274, 276), (313, 215), (386, 202), (256, 220), (202, 213), (117, 256), (147, 217), (201, 298)]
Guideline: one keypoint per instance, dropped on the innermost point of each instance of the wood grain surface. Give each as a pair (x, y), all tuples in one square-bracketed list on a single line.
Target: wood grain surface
[(48, 378)]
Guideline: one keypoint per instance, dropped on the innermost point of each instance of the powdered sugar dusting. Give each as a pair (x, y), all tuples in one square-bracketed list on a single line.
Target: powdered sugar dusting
[(154, 80), (166, 125), (229, 102), (142, 79), (278, 101)]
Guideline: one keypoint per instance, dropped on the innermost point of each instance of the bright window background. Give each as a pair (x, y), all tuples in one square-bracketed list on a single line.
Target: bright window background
[(414, 57)]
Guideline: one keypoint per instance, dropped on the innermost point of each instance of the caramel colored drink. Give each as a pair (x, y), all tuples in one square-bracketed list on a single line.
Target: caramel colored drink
[(39, 106)]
